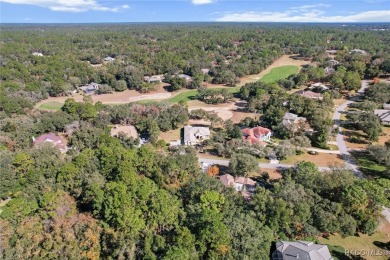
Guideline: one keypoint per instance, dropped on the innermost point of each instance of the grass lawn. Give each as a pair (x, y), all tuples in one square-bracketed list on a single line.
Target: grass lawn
[(190, 94), (184, 96), (366, 165), (280, 73), (338, 243), (52, 105)]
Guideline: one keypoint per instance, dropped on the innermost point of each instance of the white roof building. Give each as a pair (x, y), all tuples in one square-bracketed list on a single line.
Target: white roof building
[(39, 54), (194, 134), (318, 85), (154, 79), (358, 51), (109, 58), (184, 76)]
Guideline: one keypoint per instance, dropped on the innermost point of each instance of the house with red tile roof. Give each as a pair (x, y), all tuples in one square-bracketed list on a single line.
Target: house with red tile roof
[(51, 138), (256, 134)]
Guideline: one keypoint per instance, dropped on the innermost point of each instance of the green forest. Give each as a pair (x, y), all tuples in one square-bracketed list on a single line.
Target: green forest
[(112, 198)]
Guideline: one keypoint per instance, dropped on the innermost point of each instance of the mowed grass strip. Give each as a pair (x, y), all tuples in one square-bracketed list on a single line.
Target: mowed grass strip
[(360, 242), (51, 105), (280, 73), (191, 94)]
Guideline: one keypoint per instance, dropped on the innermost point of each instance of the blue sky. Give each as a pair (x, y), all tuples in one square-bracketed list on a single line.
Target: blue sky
[(93, 11)]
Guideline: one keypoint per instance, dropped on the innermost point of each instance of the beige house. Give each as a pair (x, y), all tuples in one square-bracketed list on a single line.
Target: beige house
[(244, 185)]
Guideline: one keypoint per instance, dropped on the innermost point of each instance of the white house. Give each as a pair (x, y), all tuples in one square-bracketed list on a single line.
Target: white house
[(109, 59), (184, 76), (154, 79), (318, 85), (39, 54), (194, 134), (357, 51)]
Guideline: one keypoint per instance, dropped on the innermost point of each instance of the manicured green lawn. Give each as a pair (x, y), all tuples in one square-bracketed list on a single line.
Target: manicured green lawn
[(280, 73), (190, 94), (184, 96), (53, 105)]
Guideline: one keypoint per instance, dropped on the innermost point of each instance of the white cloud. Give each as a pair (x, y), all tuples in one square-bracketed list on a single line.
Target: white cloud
[(202, 2), (306, 13), (68, 5)]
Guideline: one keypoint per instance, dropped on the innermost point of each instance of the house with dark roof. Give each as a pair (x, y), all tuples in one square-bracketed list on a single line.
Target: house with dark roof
[(51, 138), (384, 116), (307, 250), (89, 89), (244, 185), (256, 134)]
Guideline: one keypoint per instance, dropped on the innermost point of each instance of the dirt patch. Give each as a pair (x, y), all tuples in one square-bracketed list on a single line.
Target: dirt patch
[(321, 159), (338, 102), (170, 136), (384, 137), (355, 139), (273, 173), (238, 116), (117, 97), (129, 130), (224, 111)]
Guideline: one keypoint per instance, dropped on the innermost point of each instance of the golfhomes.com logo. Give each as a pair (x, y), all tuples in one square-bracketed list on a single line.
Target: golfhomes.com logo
[(367, 252)]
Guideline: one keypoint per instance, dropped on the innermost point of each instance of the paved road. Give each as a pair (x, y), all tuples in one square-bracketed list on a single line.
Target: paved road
[(351, 164), (225, 162)]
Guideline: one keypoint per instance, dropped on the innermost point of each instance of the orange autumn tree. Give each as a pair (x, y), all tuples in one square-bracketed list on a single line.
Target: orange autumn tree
[(213, 170)]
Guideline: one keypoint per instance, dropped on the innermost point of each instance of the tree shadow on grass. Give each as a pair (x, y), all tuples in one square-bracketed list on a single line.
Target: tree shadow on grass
[(382, 245), (368, 166)]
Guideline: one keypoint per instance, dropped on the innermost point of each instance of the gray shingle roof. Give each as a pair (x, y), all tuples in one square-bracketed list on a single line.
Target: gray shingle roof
[(384, 115), (304, 250)]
